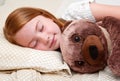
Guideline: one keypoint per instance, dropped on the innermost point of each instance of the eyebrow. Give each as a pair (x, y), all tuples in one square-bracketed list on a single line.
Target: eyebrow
[(34, 31)]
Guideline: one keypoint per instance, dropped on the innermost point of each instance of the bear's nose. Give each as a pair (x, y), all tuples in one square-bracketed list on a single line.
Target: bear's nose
[(93, 52), (79, 63)]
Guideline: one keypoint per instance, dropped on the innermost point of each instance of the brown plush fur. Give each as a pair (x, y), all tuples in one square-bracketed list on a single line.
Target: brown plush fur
[(84, 46), (113, 27)]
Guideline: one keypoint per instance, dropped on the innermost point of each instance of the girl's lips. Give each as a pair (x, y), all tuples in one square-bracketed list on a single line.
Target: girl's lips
[(53, 41)]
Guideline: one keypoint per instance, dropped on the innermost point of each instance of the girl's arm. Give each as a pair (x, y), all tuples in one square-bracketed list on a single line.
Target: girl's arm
[(101, 10)]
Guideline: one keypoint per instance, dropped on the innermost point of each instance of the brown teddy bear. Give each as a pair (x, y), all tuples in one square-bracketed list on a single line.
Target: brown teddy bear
[(87, 47)]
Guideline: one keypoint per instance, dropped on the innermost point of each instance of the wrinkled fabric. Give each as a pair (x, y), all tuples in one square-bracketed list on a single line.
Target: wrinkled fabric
[(79, 10)]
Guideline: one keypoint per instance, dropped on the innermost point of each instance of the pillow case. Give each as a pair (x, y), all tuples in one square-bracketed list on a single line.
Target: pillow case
[(15, 57)]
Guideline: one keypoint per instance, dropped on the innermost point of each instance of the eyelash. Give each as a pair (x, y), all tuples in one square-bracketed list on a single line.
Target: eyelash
[(35, 44), (41, 29)]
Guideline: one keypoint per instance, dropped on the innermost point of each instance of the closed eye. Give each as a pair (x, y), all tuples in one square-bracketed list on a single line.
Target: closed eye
[(39, 26), (41, 29), (35, 44)]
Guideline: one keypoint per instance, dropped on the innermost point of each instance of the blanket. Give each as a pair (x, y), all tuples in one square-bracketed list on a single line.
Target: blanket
[(33, 75)]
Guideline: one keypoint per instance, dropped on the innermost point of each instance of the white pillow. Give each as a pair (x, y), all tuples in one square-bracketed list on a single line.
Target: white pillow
[(15, 57)]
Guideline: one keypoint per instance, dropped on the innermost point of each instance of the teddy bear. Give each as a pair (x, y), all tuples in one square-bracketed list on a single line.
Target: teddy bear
[(89, 47)]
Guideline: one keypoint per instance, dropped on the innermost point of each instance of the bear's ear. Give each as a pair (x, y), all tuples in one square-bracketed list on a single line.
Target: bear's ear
[(110, 21), (66, 24)]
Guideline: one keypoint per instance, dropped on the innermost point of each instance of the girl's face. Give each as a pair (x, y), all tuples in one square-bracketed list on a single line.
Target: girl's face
[(40, 33)]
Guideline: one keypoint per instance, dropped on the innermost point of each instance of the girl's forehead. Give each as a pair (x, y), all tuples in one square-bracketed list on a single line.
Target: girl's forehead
[(39, 17), (34, 20)]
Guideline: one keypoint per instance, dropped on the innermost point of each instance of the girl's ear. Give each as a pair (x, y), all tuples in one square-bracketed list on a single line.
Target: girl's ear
[(66, 24)]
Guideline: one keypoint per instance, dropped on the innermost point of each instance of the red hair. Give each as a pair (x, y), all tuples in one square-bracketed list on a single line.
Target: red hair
[(19, 17)]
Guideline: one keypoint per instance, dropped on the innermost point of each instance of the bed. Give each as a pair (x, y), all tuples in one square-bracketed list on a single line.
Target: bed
[(25, 64)]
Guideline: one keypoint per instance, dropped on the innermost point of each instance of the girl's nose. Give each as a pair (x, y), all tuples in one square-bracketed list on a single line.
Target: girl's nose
[(43, 37)]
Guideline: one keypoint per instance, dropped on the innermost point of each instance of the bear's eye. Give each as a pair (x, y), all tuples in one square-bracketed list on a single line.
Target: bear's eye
[(75, 38)]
